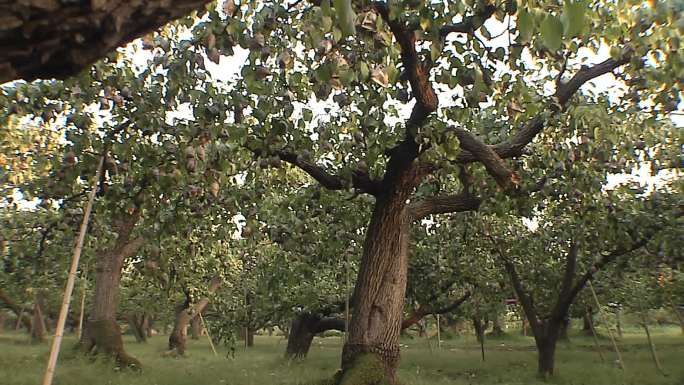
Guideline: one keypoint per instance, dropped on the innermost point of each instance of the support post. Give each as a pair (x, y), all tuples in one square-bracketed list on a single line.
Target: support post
[(59, 330), (211, 343), (603, 319)]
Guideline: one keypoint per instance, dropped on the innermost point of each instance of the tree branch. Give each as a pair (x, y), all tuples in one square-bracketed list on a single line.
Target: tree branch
[(470, 24), (513, 146), (418, 75), (486, 155), (360, 179), (443, 204)]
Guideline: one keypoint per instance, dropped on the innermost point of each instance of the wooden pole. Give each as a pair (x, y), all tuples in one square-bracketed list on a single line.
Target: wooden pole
[(211, 343), (603, 319), (593, 334), (651, 345), (82, 310), (59, 330)]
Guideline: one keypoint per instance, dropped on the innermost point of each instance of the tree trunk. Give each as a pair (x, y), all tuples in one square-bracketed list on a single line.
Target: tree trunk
[(137, 324), (18, 310), (102, 333), (497, 327), (587, 322), (3, 319), (479, 328), (195, 328), (250, 336), (38, 330), (679, 315), (372, 348), (148, 325), (301, 335), (304, 327), (179, 334), (563, 332), (546, 337), (184, 315)]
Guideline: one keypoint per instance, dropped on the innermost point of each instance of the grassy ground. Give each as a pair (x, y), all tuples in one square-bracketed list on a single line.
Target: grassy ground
[(510, 360)]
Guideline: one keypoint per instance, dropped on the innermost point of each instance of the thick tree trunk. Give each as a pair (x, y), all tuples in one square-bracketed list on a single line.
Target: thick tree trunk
[(102, 333), (46, 39), (250, 336), (304, 327), (563, 332), (195, 328), (302, 332), (179, 335), (546, 337), (372, 348)]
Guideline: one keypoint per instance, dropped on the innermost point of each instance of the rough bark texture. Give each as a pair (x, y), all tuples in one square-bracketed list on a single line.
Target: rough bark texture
[(138, 322), (546, 348), (185, 312), (56, 39), (102, 334), (195, 328), (381, 284), (304, 327)]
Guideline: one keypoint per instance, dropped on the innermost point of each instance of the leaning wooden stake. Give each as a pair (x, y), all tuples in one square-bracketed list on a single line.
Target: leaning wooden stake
[(59, 330), (82, 310), (603, 319), (593, 334), (651, 345), (204, 325)]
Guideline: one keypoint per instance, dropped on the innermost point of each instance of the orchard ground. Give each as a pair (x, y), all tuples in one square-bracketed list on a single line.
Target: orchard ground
[(508, 360)]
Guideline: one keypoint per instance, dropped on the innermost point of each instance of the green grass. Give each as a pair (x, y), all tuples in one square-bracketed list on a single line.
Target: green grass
[(510, 360)]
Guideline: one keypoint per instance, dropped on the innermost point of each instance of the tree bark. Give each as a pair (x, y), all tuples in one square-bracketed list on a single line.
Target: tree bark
[(56, 39), (303, 329), (546, 348), (137, 323), (373, 338), (102, 333), (16, 308), (563, 332), (587, 322), (38, 330), (479, 328), (497, 327), (185, 312), (195, 328)]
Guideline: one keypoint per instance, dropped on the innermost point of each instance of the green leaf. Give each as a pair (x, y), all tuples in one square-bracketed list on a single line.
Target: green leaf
[(552, 32), (346, 18), (525, 25), (573, 18)]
